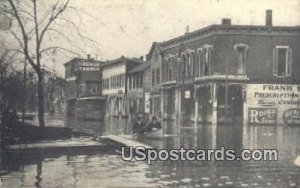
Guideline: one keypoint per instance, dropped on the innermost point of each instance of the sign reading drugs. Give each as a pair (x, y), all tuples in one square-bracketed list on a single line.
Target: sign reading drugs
[(270, 104)]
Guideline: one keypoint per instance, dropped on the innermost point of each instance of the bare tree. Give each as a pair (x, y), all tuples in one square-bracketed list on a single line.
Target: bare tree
[(31, 39)]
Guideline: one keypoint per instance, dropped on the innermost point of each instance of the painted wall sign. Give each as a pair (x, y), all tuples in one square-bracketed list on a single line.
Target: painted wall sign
[(187, 94), (263, 116), (267, 102), (147, 102), (292, 116)]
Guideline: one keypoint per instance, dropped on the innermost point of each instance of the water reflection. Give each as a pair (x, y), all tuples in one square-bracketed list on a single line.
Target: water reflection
[(106, 168)]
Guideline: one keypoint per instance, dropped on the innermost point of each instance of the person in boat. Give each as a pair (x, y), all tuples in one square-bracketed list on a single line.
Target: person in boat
[(155, 123), (147, 126)]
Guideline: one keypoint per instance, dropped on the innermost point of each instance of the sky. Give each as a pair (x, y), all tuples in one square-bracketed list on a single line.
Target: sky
[(128, 27)]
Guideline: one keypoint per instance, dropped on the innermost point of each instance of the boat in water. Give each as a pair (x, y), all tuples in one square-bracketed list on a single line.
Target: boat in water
[(151, 129)]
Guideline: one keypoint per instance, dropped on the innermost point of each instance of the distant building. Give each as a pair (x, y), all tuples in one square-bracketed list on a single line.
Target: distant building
[(84, 80), (154, 58), (138, 85), (114, 85), (205, 73)]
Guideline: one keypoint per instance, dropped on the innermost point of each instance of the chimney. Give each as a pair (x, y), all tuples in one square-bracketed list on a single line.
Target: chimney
[(187, 29), (226, 21), (269, 18), (89, 56)]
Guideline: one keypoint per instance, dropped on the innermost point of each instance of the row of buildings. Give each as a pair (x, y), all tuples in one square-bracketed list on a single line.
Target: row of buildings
[(223, 72)]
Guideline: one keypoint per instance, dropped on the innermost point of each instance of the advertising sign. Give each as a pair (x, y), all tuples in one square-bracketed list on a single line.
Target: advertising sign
[(262, 116), (147, 102), (187, 94), (273, 104)]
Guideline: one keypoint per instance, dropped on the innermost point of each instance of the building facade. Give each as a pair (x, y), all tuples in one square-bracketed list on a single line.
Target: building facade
[(154, 57), (114, 85), (138, 85), (205, 73), (83, 78)]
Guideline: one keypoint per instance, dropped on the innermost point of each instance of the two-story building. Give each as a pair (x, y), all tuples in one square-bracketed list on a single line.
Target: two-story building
[(154, 58), (207, 74), (138, 86), (84, 85), (114, 84)]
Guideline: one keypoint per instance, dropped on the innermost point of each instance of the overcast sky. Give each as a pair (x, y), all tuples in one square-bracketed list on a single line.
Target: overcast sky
[(128, 27)]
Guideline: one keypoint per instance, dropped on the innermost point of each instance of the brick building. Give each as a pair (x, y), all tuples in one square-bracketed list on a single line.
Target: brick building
[(205, 73)]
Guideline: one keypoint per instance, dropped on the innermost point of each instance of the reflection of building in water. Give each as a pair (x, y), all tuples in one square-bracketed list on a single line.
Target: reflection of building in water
[(205, 72)]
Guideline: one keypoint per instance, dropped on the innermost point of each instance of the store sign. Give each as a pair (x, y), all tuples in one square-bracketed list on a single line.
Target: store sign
[(273, 103), (262, 116), (147, 102), (187, 94), (292, 116)]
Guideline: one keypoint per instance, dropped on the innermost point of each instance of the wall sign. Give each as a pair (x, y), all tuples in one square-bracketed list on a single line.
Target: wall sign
[(262, 116), (147, 102), (273, 103), (187, 94)]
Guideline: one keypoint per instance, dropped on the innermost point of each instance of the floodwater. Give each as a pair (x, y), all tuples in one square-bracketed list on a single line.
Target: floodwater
[(107, 169)]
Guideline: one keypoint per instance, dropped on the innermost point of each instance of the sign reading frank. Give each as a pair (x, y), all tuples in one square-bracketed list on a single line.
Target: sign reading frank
[(273, 104)]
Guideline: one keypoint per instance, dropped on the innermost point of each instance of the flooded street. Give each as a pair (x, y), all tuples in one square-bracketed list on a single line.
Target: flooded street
[(106, 168)]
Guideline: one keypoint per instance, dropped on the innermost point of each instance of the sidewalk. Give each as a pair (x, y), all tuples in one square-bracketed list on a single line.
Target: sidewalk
[(127, 141)]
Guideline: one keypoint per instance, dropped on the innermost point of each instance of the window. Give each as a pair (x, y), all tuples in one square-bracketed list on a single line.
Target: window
[(282, 61), (206, 60), (94, 89), (157, 76), (241, 50), (199, 63), (170, 69), (83, 87), (141, 81), (130, 83), (180, 67), (153, 76), (189, 64)]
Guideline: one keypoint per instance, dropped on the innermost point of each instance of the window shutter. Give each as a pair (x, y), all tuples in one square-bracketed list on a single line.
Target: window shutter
[(289, 62), (275, 61)]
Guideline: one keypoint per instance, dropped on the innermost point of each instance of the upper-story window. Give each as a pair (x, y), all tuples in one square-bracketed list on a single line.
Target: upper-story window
[(158, 75), (94, 89), (189, 64), (282, 61), (153, 76), (170, 69), (180, 66), (241, 50), (83, 88), (204, 60)]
